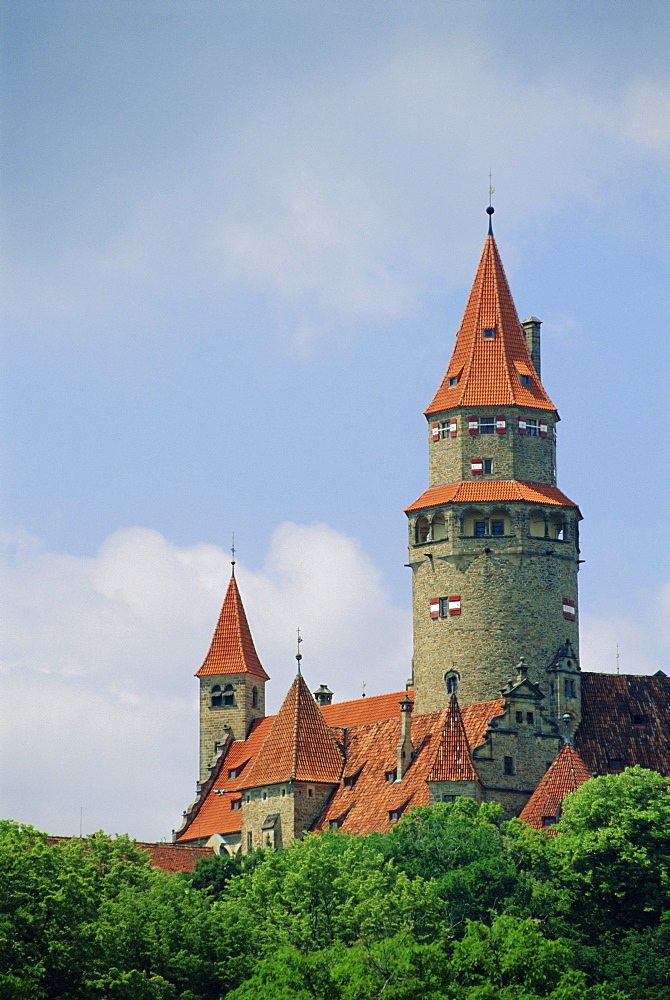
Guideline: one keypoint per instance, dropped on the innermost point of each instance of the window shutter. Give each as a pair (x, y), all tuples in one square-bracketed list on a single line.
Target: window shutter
[(477, 466), (455, 605), (435, 430), (543, 428), (522, 425), (569, 611), (435, 607), (453, 427), (501, 424), (473, 425)]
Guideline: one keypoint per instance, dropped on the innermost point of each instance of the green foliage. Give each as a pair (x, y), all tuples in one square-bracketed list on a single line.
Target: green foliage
[(451, 904)]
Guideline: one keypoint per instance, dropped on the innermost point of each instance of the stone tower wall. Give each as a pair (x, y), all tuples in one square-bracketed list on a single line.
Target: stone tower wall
[(238, 716), (526, 457), (511, 591)]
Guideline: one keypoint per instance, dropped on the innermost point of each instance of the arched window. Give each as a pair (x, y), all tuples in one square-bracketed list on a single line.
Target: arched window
[(254, 697), (217, 697), (536, 524), (451, 680), (557, 527), (422, 531), (229, 695)]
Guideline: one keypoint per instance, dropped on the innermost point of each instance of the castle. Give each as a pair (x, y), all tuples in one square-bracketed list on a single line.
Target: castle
[(497, 707)]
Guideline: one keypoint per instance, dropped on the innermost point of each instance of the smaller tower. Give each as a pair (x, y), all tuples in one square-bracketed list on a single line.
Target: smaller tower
[(232, 681)]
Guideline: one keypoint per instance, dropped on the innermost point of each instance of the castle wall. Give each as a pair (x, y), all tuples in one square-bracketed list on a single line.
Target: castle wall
[(511, 590), (238, 716), (295, 806)]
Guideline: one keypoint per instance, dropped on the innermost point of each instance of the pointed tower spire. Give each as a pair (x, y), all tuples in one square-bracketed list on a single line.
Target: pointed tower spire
[(299, 746), (490, 364), (566, 774), (232, 649)]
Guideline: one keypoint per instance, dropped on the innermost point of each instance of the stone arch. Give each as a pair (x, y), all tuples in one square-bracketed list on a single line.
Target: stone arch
[(216, 696), (438, 527), (536, 524), (228, 695), (558, 527), (500, 521), (422, 530), (473, 519)]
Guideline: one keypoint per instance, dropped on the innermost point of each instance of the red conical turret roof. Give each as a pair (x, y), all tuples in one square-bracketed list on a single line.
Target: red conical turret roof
[(488, 369), (453, 760), (299, 745), (232, 650), (567, 772)]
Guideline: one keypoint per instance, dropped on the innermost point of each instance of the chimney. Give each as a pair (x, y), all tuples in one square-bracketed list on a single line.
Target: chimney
[(323, 695), (405, 749), (531, 329)]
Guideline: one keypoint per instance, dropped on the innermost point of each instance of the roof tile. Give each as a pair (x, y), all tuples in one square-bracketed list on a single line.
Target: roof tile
[(453, 760), (503, 490), (565, 774), (299, 745), (232, 650), (488, 367)]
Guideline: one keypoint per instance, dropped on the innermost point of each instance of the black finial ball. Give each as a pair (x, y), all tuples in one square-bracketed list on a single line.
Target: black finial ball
[(490, 210)]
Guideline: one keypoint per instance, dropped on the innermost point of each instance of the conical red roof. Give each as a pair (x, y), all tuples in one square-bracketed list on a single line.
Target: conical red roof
[(299, 745), (232, 650), (566, 773), (489, 369), (453, 760)]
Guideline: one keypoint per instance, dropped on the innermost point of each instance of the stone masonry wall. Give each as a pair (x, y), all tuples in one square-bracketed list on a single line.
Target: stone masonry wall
[(297, 805), (511, 591), (238, 716), (525, 457)]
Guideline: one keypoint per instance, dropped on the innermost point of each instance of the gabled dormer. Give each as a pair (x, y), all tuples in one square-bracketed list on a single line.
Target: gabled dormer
[(565, 687)]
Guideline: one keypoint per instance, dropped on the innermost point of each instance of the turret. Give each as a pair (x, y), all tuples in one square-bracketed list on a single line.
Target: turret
[(493, 542)]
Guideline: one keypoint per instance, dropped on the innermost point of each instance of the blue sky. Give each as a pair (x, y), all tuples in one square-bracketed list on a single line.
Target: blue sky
[(239, 238)]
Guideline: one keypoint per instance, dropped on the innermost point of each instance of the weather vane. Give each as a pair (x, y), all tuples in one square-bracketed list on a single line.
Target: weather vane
[(490, 210), (232, 552), (298, 655)]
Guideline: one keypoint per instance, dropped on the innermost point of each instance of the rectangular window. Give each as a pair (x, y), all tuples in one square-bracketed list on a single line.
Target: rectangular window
[(235, 804), (448, 798), (444, 607), (486, 425), (531, 427), (508, 765), (530, 718), (497, 527), (391, 775), (453, 380), (489, 332), (519, 716), (445, 427), (488, 466), (480, 529), (524, 380)]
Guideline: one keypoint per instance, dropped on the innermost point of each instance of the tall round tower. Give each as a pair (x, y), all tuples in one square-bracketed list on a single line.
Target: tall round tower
[(493, 543)]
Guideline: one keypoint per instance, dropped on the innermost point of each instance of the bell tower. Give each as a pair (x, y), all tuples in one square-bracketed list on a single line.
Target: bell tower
[(493, 542)]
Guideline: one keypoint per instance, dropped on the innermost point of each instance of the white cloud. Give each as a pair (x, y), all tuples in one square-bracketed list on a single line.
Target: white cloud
[(646, 117), (99, 701)]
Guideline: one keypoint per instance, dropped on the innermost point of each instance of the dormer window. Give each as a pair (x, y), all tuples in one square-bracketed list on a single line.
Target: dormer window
[(524, 380), (453, 380), (639, 720), (391, 775), (489, 332)]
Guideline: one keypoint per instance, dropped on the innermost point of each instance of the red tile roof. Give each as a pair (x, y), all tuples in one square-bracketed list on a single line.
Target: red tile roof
[(170, 857), (488, 368), (503, 490), (299, 745), (453, 760), (565, 774), (625, 721), (232, 650), (362, 710), (365, 805)]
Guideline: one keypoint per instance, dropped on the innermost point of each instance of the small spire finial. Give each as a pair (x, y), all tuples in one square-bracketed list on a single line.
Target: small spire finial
[(566, 722), (298, 655), (232, 552), (490, 210)]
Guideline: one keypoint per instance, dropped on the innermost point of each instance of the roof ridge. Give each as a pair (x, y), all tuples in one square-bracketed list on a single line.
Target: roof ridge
[(566, 773), (232, 649)]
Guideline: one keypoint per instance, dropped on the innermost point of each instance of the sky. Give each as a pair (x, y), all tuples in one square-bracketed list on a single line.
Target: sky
[(238, 241)]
